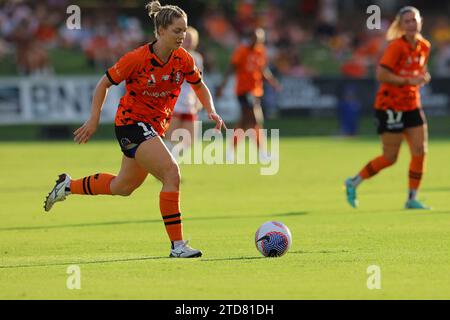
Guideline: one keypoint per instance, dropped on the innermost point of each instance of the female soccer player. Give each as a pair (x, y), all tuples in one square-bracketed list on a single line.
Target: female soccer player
[(187, 106), (249, 62), (154, 74), (401, 71)]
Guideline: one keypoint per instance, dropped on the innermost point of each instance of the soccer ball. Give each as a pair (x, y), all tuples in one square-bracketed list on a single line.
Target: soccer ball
[(273, 239)]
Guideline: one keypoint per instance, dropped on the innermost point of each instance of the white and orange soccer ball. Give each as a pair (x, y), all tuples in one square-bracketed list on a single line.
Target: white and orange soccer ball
[(273, 239)]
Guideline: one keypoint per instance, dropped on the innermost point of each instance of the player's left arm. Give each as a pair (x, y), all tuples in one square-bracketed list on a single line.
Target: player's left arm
[(204, 95), (425, 68), (427, 74), (270, 78)]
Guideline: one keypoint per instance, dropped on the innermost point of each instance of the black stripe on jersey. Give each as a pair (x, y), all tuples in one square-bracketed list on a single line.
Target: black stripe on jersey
[(192, 72), (198, 81), (110, 79)]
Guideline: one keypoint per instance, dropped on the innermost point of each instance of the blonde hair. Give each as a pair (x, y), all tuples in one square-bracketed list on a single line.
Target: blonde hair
[(194, 37), (163, 16), (395, 31), (260, 34)]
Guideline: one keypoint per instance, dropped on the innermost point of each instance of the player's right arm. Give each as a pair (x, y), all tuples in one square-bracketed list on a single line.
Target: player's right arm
[(85, 132), (120, 71), (385, 70), (384, 75)]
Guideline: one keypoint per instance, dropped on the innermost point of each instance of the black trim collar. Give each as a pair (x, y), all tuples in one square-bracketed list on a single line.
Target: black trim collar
[(155, 60)]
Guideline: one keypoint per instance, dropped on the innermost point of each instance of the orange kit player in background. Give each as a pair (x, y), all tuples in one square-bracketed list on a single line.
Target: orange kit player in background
[(401, 71), (249, 62), (154, 74), (187, 106)]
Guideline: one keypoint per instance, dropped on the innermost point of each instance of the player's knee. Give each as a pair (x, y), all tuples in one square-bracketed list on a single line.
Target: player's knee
[(391, 157), (419, 150), (172, 175), (125, 190)]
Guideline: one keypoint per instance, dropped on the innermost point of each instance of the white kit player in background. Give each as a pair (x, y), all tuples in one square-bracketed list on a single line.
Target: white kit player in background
[(187, 106)]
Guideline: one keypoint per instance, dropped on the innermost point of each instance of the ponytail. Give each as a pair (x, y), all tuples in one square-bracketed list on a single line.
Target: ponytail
[(153, 7), (163, 16)]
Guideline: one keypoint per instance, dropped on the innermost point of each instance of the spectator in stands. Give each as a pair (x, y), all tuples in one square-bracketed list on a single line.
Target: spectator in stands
[(348, 111)]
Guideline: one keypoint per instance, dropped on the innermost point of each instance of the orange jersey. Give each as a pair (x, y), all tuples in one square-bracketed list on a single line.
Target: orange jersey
[(152, 87), (249, 64), (404, 61)]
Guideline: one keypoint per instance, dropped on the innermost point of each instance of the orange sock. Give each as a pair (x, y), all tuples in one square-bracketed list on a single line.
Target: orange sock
[(374, 166), (416, 169), (92, 185), (169, 204)]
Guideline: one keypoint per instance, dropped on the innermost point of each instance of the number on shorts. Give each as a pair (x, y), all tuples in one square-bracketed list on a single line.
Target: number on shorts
[(146, 131), (394, 117)]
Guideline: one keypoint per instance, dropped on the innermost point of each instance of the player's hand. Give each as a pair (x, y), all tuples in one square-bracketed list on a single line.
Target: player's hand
[(427, 77), (420, 80), (85, 132), (219, 122)]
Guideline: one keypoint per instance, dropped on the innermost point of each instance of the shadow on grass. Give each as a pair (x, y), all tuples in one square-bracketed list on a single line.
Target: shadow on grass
[(231, 259), (51, 264), (425, 213), (319, 251), (436, 189), (113, 223), (78, 225)]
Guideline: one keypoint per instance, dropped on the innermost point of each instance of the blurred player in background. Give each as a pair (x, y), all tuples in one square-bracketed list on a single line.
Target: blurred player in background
[(187, 106), (249, 62), (401, 72), (154, 74)]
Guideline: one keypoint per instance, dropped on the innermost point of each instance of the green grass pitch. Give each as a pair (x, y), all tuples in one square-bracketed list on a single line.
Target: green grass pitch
[(122, 249)]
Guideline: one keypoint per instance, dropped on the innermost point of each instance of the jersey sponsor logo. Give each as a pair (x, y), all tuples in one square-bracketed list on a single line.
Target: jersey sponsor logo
[(161, 94), (178, 77), (125, 141), (127, 144)]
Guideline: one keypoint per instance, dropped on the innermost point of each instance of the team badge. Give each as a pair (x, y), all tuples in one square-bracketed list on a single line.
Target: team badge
[(178, 77), (152, 81)]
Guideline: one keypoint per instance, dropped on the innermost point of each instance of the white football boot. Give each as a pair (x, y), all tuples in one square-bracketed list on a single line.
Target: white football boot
[(59, 191), (184, 251)]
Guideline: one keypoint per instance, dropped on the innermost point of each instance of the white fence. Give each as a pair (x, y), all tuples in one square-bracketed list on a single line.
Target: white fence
[(67, 100)]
